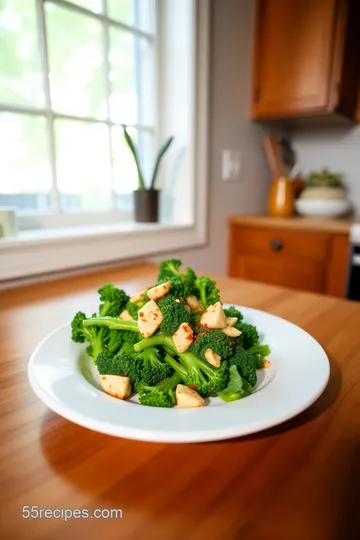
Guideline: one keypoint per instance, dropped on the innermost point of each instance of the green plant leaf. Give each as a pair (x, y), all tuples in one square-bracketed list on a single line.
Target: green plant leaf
[(131, 145), (160, 155)]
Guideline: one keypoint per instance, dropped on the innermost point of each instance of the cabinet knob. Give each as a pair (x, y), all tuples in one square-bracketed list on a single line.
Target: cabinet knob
[(276, 245)]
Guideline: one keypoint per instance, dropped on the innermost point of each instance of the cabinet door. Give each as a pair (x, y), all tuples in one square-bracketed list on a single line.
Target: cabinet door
[(294, 49), (305, 275)]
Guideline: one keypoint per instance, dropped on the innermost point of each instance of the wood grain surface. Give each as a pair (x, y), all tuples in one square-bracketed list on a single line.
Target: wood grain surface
[(298, 481), (331, 226)]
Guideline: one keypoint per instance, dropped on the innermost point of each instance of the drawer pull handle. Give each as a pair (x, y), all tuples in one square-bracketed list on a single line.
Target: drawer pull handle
[(277, 245)]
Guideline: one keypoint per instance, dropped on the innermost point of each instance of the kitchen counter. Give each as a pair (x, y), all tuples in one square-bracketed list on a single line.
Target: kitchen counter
[(298, 480), (331, 226)]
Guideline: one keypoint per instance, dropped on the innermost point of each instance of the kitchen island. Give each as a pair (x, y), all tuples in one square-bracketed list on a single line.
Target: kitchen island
[(299, 480)]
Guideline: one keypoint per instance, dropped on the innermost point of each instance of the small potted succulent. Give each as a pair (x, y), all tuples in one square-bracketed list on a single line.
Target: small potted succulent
[(324, 195), (146, 199)]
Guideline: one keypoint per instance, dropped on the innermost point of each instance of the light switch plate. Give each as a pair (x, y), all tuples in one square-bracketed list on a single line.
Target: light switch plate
[(231, 165)]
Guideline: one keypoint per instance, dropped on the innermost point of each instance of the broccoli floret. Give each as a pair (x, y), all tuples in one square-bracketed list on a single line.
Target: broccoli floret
[(95, 336), (115, 341), (215, 340), (113, 300), (152, 368), (109, 364), (259, 353), (245, 365), (233, 312), (249, 334), (205, 289), (170, 268), (195, 372), (161, 395), (173, 315)]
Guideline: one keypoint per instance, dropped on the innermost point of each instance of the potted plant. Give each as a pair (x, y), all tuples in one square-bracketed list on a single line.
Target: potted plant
[(324, 195), (146, 199), (324, 184)]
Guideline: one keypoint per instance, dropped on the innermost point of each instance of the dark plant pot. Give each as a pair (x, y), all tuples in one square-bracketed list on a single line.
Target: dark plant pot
[(146, 205)]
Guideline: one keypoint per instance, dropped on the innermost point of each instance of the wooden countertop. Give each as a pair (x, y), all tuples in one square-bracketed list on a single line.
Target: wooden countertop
[(300, 480), (331, 226)]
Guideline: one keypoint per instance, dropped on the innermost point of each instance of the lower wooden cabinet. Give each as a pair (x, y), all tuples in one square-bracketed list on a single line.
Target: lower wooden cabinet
[(308, 260)]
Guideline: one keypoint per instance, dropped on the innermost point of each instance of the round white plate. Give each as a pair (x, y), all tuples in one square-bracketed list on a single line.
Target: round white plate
[(64, 378)]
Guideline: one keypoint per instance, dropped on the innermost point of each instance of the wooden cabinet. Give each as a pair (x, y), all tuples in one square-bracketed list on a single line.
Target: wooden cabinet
[(306, 58), (289, 253)]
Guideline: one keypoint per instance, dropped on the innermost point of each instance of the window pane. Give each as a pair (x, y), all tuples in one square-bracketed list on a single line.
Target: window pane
[(138, 13), (125, 177), (132, 79), (75, 62), (91, 5), (21, 80), (25, 175), (83, 165)]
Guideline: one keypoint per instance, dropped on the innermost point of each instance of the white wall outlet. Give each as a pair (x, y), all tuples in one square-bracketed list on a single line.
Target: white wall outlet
[(231, 165)]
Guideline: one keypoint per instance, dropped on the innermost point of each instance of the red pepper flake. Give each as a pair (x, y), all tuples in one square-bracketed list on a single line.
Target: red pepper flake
[(122, 374), (156, 315), (192, 386), (189, 337), (141, 313)]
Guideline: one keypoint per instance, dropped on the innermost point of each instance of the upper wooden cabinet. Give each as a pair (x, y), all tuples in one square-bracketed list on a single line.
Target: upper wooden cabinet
[(306, 59)]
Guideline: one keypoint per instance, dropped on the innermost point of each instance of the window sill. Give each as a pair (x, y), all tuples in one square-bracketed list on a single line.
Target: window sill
[(39, 252)]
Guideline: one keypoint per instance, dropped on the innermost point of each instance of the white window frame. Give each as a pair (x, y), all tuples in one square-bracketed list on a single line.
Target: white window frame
[(55, 218), (47, 251)]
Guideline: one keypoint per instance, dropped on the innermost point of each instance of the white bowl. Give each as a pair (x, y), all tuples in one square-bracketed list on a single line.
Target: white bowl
[(322, 207)]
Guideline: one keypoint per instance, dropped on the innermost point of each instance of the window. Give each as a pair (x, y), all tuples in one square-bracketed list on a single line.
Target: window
[(71, 72)]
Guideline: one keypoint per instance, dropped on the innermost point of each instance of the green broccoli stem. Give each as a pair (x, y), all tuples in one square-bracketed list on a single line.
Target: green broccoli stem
[(112, 322), (152, 341), (178, 368), (203, 298), (189, 359), (97, 347)]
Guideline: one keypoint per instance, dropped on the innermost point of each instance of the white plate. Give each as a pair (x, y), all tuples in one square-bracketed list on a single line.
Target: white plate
[(64, 378)]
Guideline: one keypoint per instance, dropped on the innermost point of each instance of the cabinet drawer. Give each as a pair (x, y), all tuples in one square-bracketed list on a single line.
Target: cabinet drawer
[(307, 275), (280, 243)]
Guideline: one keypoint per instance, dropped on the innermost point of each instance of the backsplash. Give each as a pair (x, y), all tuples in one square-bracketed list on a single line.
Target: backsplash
[(336, 148)]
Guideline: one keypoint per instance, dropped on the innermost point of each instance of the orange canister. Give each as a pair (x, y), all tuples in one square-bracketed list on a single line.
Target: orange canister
[(281, 198)]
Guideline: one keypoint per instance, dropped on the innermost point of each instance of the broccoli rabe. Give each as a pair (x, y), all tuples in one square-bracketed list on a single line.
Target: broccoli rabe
[(113, 300), (95, 336), (213, 339), (245, 365), (205, 289), (174, 314), (160, 395)]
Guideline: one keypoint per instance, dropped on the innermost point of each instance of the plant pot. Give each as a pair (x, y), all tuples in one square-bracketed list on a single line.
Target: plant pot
[(146, 205)]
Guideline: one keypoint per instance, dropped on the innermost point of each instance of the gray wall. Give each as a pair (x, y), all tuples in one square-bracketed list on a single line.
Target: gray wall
[(230, 127), (336, 148)]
